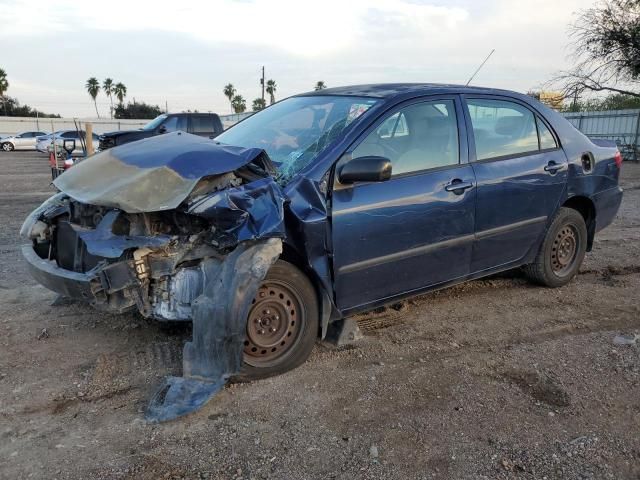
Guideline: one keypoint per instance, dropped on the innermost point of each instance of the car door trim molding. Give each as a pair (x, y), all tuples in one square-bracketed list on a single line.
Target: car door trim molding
[(511, 226), (425, 249), (412, 252)]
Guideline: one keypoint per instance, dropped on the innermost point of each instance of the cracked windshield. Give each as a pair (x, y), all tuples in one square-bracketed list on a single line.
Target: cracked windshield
[(294, 131)]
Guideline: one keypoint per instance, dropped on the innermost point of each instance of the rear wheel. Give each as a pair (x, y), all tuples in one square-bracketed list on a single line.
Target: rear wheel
[(7, 147), (282, 325), (562, 251)]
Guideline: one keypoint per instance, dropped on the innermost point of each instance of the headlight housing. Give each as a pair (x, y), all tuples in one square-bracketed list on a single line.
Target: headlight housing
[(49, 204)]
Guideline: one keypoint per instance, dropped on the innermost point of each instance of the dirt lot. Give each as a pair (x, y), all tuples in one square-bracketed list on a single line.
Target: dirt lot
[(492, 379)]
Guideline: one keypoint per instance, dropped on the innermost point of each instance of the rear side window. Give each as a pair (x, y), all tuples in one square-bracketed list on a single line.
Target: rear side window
[(546, 137), (502, 128), (201, 125)]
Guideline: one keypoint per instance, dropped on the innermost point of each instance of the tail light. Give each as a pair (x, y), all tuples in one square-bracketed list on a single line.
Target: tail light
[(618, 159)]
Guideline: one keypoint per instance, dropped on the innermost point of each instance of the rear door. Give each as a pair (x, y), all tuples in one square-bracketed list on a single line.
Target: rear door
[(416, 229), (521, 174)]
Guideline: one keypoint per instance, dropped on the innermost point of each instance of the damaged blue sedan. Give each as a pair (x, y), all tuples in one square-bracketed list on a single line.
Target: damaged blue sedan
[(321, 206)]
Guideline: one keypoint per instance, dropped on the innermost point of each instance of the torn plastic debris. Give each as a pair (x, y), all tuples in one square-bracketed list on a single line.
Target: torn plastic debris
[(626, 339), (219, 326)]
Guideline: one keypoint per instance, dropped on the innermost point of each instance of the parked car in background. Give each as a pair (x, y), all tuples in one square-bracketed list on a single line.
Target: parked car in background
[(201, 124), (45, 143), (20, 141), (375, 193)]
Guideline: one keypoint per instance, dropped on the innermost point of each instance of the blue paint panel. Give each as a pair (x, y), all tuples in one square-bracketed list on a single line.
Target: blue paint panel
[(400, 235), (515, 199)]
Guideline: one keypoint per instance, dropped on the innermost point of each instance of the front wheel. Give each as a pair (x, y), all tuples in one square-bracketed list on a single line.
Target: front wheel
[(562, 251), (282, 325), (7, 147)]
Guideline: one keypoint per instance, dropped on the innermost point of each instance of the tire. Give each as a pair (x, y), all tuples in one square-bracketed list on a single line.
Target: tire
[(562, 250), (286, 303), (7, 147)]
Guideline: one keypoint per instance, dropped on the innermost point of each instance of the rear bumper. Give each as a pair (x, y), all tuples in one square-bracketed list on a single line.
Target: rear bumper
[(65, 282), (607, 204)]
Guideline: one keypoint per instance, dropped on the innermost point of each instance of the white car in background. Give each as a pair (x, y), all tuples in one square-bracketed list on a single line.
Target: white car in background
[(45, 143), (20, 141)]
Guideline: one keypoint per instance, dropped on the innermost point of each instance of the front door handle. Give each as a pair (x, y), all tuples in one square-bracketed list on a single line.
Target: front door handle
[(553, 167), (458, 186)]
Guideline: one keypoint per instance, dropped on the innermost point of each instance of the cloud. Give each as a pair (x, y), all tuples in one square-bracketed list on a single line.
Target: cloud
[(299, 27), (185, 52)]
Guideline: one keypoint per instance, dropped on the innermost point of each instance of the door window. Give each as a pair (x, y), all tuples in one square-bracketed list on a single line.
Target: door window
[(201, 125), (418, 137), (502, 128), (175, 123), (546, 137)]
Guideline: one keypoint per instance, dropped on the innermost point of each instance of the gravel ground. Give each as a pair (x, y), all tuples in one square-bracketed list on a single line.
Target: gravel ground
[(492, 379)]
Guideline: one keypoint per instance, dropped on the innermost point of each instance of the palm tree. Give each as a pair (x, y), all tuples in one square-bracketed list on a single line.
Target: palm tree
[(93, 87), (120, 91), (258, 104), (107, 88), (320, 86), (271, 90), (229, 92), (239, 104), (4, 85)]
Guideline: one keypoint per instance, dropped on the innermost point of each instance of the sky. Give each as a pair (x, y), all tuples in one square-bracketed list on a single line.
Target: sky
[(184, 53)]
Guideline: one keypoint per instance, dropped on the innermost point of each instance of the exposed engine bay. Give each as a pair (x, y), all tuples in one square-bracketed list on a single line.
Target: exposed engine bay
[(170, 243), (152, 260)]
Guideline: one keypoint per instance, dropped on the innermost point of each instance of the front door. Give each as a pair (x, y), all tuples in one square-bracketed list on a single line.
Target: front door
[(22, 141), (416, 229), (521, 174)]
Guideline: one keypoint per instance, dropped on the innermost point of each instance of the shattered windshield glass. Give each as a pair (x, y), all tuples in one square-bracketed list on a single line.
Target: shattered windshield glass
[(294, 131)]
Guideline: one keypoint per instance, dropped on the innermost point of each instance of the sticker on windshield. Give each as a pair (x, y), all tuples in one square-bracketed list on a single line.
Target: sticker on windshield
[(356, 110)]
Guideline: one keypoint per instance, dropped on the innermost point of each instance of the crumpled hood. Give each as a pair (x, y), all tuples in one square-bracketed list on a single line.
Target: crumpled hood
[(153, 174)]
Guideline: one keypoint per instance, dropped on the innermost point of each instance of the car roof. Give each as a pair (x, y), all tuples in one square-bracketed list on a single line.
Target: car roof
[(189, 113), (389, 90)]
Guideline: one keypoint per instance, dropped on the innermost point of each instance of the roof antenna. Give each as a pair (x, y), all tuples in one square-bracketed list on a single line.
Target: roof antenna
[(478, 69)]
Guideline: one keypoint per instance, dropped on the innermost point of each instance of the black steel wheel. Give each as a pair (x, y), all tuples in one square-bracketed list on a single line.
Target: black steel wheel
[(282, 324), (562, 251)]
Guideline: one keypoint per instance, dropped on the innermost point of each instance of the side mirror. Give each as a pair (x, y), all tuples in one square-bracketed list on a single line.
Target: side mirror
[(162, 129), (365, 169), (69, 145)]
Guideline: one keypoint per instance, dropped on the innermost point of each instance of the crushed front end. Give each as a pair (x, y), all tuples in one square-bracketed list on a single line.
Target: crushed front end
[(175, 227)]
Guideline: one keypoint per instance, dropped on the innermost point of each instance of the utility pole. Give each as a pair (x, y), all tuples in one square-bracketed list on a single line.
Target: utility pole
[(262, 83), (166, 107)]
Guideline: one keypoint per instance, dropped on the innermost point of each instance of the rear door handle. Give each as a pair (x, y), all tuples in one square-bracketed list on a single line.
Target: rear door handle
[(553, 167), (457, 186)]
